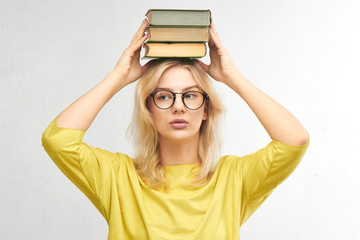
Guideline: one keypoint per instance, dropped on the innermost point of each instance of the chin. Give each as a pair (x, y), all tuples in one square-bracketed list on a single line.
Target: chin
[(178, 136)]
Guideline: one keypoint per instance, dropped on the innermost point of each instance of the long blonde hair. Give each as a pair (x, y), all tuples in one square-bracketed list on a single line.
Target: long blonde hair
[(145, 136)]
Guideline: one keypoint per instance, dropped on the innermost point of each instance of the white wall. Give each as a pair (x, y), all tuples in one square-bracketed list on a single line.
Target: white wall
[(305, 54)]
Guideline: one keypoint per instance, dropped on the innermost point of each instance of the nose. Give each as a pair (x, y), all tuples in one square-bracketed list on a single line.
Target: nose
[(178, 105)]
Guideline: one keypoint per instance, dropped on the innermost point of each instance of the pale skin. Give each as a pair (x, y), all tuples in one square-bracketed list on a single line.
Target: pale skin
[(178, 146), (279, 123)]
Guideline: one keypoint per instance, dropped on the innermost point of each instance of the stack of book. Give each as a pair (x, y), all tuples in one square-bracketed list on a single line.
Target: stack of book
[(177, 33)]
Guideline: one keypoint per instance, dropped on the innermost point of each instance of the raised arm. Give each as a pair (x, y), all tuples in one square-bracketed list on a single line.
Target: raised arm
[(81, 113), (83, 164), (279, 123)]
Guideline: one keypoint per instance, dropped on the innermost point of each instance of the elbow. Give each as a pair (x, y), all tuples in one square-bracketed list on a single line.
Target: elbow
[(50, 142), (58, 140), (302, 138), (293, 138), (59, 143), (303, 141), (47, 142)]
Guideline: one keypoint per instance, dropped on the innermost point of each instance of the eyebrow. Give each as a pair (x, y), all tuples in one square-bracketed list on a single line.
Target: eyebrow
[(185, 89)]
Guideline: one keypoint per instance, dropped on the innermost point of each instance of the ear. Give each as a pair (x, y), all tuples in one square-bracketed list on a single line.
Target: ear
[(205, 113), (204, 116)]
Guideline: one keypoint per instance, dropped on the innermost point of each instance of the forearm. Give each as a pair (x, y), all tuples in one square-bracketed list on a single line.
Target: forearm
[(81, 113), (279, 123)]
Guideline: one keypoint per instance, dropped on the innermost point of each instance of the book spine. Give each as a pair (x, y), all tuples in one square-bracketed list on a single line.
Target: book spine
[(177, 18), (147, 50), (205, 14), (175, 38)]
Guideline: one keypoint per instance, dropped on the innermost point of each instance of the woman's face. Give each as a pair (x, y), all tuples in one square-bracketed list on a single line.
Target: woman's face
[(178, 123)]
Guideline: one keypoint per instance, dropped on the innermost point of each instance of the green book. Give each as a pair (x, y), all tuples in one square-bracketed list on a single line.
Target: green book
[(178, 17)]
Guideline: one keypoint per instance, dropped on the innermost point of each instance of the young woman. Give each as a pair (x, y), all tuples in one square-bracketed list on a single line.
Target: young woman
[(176, 187)]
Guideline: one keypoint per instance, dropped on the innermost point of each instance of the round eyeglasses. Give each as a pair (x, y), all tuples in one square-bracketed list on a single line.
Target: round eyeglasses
[(164, 99)]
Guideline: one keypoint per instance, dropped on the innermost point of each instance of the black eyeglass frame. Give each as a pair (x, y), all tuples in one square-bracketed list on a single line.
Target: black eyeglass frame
[(205, 96)]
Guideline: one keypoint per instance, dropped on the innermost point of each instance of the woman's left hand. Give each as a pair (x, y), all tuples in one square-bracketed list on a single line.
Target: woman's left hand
[(221, 67), (280, 124)]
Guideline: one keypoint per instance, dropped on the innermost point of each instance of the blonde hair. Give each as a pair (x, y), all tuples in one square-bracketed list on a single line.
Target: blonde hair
[(145, 136)]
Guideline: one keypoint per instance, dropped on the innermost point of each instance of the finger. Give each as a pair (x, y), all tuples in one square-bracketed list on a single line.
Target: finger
[(137, 54), (136, 44), (140, 36), (141, 41), (214, 35), (210, 42), (140, 32), (141, 28), (215, 40)]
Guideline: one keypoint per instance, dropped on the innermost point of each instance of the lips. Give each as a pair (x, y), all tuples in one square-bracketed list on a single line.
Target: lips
[(179, 123)]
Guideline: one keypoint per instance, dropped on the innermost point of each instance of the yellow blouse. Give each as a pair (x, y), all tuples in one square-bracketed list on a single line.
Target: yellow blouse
[(135, 211)]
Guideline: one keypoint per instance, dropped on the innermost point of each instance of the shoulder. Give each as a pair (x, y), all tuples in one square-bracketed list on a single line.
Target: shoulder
[(227, 160), (124, 161), (274, 149), (122, 157), (104, 158), (231, 161)]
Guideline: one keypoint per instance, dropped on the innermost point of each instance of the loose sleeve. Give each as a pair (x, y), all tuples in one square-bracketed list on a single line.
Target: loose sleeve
[(259, 173), (91, 169)]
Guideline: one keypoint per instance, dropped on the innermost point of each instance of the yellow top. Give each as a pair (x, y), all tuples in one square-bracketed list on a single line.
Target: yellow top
[(135, 211)]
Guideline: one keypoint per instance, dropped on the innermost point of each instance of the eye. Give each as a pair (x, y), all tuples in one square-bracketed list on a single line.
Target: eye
[(191, 95), (163, 96)]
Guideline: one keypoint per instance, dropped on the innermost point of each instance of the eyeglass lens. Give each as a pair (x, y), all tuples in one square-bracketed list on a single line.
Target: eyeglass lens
[(165, 99)]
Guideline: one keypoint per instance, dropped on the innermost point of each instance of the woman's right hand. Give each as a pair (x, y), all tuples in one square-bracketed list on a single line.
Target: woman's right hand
[(128, 66)]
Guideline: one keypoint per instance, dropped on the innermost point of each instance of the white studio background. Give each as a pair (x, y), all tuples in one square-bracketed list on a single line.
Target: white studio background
[(305, 54)]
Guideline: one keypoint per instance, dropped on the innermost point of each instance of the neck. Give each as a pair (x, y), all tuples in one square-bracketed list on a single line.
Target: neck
[(179, 152)]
